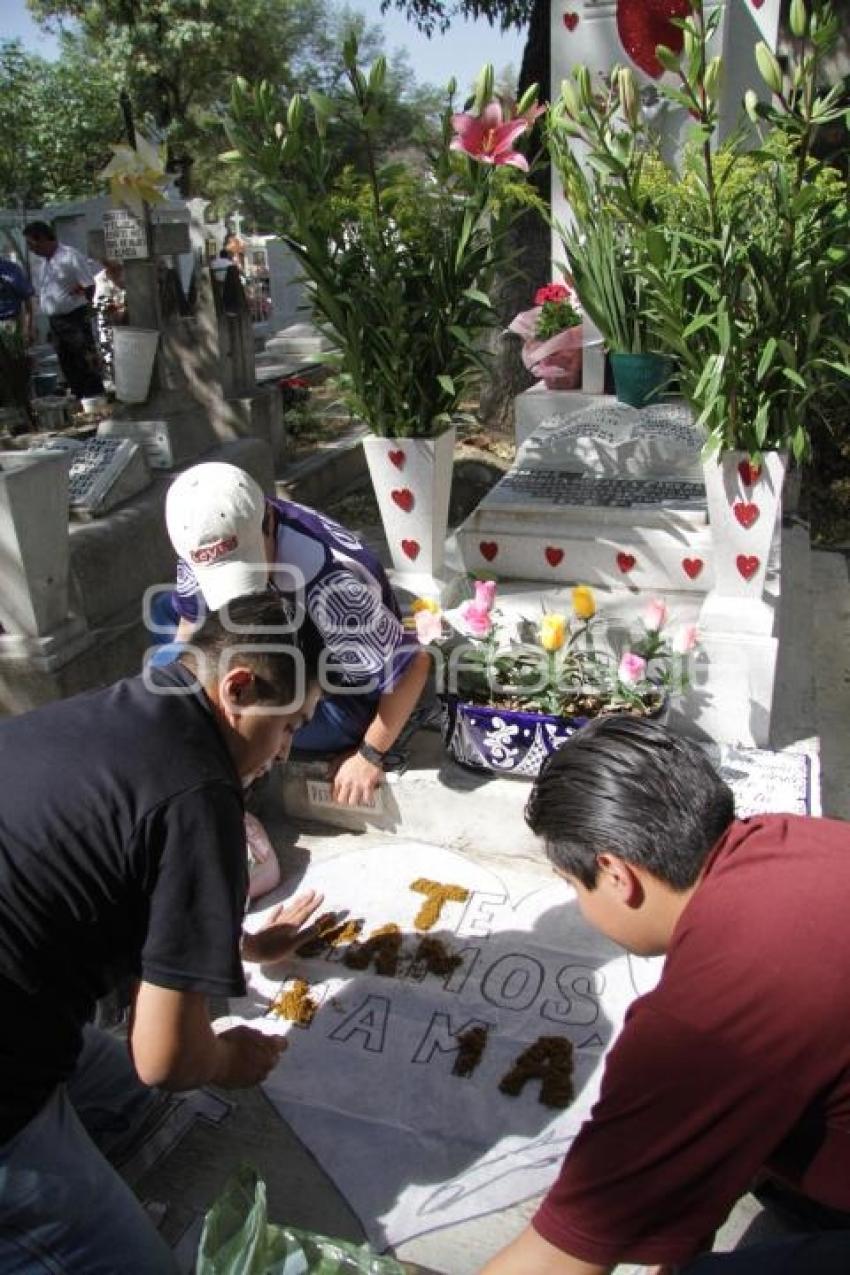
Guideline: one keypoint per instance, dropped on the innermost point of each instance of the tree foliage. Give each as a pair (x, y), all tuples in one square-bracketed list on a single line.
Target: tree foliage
[(177, 59), (436, 15), (56, 122)]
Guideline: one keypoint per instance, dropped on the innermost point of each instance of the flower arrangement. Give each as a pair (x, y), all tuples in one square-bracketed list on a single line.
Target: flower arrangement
[(560, 664), (733, 257), (398, 261), (552, 337)]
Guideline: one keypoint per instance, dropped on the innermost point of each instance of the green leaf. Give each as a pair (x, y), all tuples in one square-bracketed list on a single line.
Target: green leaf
[(766, 358)]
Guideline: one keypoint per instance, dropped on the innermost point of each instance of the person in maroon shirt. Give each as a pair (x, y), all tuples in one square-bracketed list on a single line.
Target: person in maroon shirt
[(739, 1061)]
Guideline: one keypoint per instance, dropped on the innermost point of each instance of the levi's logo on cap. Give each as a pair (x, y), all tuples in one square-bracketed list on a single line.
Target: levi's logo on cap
[(211, 553)]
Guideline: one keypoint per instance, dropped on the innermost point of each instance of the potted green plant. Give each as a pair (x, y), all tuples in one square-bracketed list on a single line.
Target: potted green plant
[(748, 284), (552, 334), (514, 691), (398, 261), (605, 250)]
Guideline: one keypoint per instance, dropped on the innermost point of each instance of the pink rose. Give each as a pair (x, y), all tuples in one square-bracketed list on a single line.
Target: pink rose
[(632, 669), (656, 615), (429, 627), (685, 639)]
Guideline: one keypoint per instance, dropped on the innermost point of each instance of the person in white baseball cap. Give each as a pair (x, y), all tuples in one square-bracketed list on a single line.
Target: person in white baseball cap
[(214, 513), (231, 541)]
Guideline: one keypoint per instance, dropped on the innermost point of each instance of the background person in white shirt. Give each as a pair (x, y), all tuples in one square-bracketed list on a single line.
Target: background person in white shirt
[(65, 285)]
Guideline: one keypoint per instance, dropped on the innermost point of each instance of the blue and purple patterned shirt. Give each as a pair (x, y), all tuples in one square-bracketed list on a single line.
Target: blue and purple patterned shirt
[(346, 594)]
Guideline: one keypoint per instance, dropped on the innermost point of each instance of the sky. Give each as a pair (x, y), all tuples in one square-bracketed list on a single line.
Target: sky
[(461, 53)]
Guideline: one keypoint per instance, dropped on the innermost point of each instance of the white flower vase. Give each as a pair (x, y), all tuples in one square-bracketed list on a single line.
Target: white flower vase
[(412, 478), (744, 510)]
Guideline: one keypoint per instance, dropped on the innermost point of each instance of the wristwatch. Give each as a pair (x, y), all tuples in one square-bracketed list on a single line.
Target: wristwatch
[(374, 755)]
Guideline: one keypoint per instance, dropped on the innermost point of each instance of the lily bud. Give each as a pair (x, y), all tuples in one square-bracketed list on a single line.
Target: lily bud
[(798, 18), (582, 78), (378, 74), (570, 98), (711, 79), (295, 113), (484, 86), (751, 105), (349, 51), (279, 129), (528, 99), (629, 99), (769, 68)]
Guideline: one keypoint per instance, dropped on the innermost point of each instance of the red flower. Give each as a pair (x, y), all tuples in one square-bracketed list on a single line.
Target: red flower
[(551, 292)]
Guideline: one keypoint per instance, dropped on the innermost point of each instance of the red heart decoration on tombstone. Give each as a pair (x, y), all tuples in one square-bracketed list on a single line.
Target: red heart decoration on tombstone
[(746, 514), (625, 561), (411, 548), (643, 24), (554, 556), (749, 472), (692, 567), (489, 549), (398, 458), (403, 497), (571, 21), (747, 566)]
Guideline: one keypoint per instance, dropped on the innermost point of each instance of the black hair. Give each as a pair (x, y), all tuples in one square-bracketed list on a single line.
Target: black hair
[(39, 230), (630, 787), (269, 635)]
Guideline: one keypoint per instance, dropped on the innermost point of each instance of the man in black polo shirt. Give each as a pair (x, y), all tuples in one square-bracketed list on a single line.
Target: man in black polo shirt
[(122, 853)]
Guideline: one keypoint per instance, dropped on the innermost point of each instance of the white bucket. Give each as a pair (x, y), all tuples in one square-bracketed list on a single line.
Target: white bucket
[(134, 351)]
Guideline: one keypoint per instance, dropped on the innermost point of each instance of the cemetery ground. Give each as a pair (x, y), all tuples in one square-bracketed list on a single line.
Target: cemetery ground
[(300, 1193)]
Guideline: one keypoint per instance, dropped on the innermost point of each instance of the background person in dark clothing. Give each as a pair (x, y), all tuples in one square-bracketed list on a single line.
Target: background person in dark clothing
[(122, 852), (739, 1061), (65, 286)]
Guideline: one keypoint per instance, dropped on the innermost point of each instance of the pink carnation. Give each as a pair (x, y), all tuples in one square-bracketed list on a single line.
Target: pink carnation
[(632, 669)]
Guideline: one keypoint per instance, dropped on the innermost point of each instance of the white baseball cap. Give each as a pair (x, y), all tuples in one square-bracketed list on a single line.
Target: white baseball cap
[(214, 514)]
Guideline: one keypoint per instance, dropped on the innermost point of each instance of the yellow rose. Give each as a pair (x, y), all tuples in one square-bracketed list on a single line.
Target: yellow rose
[(553, 631), (584, 603), (425, 604)]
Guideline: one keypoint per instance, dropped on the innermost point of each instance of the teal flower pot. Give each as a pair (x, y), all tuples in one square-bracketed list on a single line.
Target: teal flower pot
[(640, 378)]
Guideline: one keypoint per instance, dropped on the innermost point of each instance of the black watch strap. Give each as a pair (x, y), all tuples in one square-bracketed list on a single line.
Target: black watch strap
[(374, 755)]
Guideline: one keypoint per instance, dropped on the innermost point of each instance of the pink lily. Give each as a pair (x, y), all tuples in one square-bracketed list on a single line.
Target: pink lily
[(632, 669), (488, 137)]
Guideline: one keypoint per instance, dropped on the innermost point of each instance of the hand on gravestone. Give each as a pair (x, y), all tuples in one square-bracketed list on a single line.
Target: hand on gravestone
[(282, 930)]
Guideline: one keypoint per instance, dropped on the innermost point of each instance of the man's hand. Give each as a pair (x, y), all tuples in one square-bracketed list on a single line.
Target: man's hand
[(282, 931), (244, 1057), (355, 780)]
